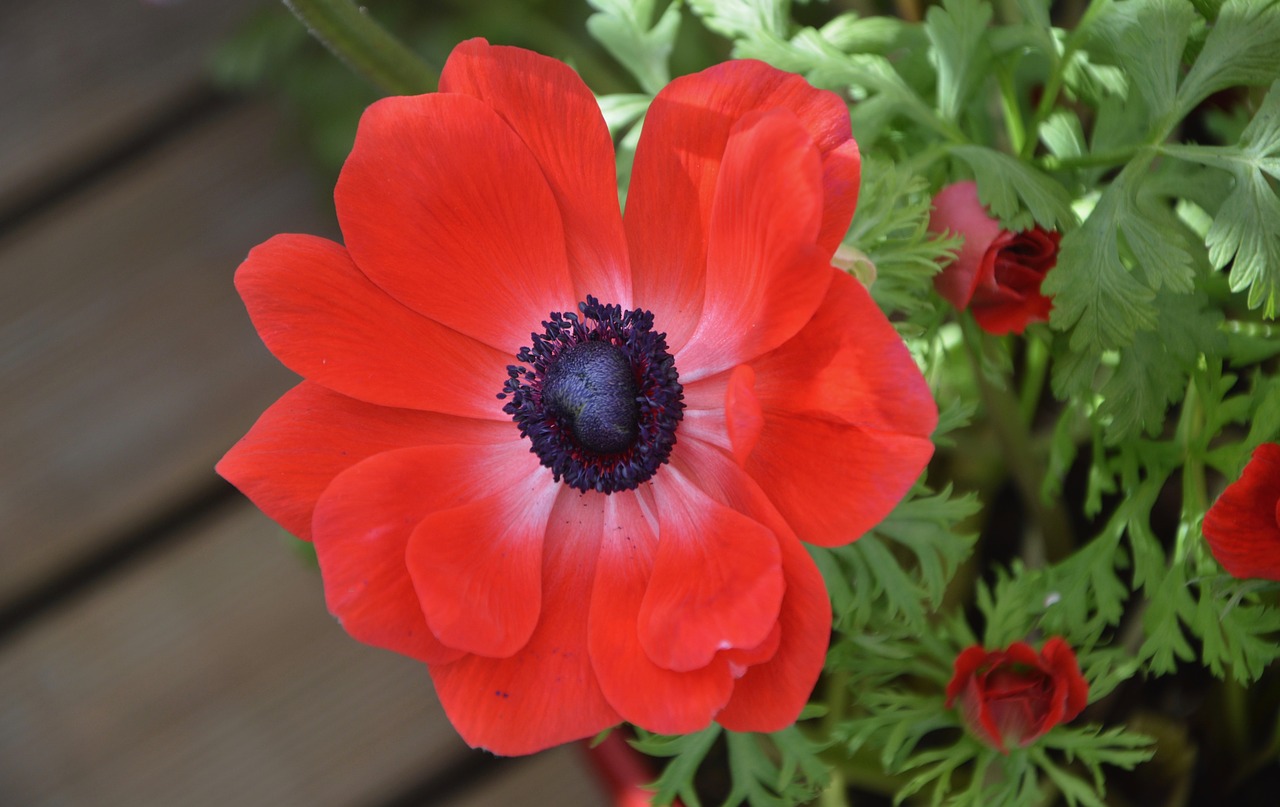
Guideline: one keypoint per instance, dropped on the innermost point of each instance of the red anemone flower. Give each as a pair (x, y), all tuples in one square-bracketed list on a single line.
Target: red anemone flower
[(694, 390), (1243, 526), (997, 273), (1016, 695)]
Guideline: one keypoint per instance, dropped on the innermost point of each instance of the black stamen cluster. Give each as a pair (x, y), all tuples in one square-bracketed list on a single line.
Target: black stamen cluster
[(602, 417)]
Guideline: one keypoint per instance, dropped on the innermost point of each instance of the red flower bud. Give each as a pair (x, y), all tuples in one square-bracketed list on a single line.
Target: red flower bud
[(997, 273), (1014, 695), (1243, 526)]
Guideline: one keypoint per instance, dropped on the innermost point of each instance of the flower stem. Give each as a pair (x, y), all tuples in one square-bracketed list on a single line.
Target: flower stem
[(1004, 415), (1259, 758), (837, 689), (1049, 96), (365, 46), (1195, 496), (1235, 705), (1012, 114), (1036, 368), (1100, 159)]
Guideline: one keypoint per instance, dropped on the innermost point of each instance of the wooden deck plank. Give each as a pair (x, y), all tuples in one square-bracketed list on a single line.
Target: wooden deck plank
[(212, 675), (560, 777), (127, 362), (80, 76)]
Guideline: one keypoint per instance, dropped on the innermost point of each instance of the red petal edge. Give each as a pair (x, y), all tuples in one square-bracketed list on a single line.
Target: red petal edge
[(312, 434), (766, 275), (444, 206), (645, 694), (547, 693), (363, 524), (677, 167), (478, 568), (1242, 525), (326, 321), (771, 694), (717, 580), (557, 117)]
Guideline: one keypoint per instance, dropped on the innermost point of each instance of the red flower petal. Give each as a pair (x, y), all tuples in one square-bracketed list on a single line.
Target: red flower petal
[(848, 364), (329, 323), (362, 527), (717, 578), (547, 693), (1016, 694), (1070, 692), (956, 209), (1061, 662), (765, 274), (741, 658), (676, 171), (1243, 525), (744, 417), (847, 420), (478, 568), (443, 206), (645, 694), (1007, 297), (312, 434), (557, 117), (770, 695), (966, 664), (978, 716), (1018, 653)]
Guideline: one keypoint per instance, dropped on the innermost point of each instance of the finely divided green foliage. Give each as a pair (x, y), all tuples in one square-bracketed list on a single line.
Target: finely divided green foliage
[(627, 29), (1240, 50), (1146, 38), (898, 573), (1095, 296), (1016, 193), (685, 752), (957, 31), (1157, 352), (1246, 231), (768, 770), (774, 770), (891, 230)]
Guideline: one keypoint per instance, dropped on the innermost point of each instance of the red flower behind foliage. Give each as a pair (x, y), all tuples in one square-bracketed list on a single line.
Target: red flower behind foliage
[(1014, 695), (1243, 525), (997, 273), (567, 457)]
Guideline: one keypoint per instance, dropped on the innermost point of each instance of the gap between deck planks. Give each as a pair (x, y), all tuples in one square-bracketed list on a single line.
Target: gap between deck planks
[(129, 364), (212, 675), (80, 76)]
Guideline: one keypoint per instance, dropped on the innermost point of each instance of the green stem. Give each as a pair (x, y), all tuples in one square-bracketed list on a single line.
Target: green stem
[(1195, 495), (865, 772), (1012, 113), (1235, 704), (1037, 367), (1260, 330), (1053, 85), (365, 46), (837, 689), (1100, 159), (1259, 758), (1026, 468), (918, 162), (833, 795)]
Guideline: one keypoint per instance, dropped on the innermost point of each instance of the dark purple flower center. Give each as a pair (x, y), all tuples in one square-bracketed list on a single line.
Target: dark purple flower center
[(598, 396)]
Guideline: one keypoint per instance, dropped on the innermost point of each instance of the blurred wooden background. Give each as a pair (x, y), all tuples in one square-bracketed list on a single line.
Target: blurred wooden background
[(160, 642)]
